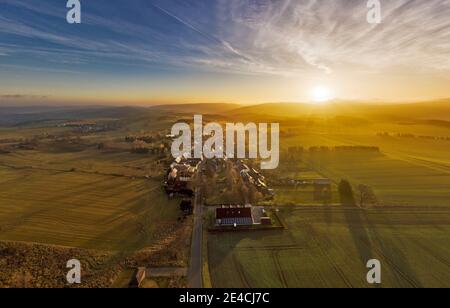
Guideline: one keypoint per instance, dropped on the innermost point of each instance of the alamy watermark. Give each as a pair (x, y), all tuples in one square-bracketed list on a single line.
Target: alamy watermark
[(374, 274), (74, 14), (373, 15), (229, 143), (74, 274)]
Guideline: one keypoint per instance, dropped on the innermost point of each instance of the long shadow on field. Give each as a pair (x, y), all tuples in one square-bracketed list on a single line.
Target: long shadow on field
[(227, 270), (357, 220), (403, 271), (328, 214)]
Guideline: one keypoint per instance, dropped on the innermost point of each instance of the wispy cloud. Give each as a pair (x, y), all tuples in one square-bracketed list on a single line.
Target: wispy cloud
[(22, 96), (281, 37)]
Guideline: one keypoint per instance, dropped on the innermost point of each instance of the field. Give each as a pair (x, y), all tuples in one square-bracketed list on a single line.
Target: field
[(81, 210), (65, 190), (329, 247), (410, 170), (72, 192), (395, 181)]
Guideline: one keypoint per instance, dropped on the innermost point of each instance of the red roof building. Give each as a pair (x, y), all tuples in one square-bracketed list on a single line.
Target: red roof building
[(234, 215)]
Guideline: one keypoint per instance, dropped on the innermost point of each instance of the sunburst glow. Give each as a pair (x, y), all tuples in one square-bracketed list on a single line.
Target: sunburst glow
[(321, 94)]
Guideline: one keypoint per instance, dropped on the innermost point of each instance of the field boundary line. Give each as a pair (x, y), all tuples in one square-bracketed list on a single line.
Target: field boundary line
[(240, 271), (276, 260)]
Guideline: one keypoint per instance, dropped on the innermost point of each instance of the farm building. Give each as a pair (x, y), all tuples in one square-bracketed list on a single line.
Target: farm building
[(266, 221), (180, 175), (234, 215)]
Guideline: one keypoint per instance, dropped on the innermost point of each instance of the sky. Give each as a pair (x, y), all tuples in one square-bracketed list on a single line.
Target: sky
[(144, 52)]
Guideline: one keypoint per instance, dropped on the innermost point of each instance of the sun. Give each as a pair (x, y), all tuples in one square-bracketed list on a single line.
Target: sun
[(321, 94)]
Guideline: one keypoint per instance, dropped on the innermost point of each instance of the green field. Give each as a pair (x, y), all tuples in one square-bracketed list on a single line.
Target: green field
[(407, 171), (65, 188), (329, 247), (71, 193), (81, 210), (396, 182), (305, 196), (60, 186)]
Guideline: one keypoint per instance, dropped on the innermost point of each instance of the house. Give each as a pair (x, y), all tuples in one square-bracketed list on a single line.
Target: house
[(234, 216), (253, 177), (180, 175)]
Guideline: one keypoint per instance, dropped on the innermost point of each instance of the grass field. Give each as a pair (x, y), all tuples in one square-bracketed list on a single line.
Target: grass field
[(81, 210), (329, 247), (407, 171), (69, 197), (77, 194), (305, 196), (88, 160), (396, 182)]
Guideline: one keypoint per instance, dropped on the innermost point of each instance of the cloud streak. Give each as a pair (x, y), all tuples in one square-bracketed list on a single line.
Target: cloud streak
[(258, 37), (22, 96)]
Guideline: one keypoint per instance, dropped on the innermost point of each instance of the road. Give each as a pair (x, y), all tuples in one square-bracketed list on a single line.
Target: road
[(195, 276)]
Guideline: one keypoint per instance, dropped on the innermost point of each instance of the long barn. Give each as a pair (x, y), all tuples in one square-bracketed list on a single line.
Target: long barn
[(234, 215)]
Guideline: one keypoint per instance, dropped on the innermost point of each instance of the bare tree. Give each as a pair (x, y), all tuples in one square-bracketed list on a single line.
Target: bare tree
[(367, 196)]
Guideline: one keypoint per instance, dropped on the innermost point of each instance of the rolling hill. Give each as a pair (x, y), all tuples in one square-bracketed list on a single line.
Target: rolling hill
[(439, 110)]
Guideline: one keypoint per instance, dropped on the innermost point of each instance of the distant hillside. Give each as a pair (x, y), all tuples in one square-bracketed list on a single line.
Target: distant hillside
[(436, 113), (439, 110), (11, 116), (25, 115), (284, 109), (198, 108)]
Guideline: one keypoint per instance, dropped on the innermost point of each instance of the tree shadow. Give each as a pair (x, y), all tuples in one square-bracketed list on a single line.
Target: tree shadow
[(370, 245), (389, 251)]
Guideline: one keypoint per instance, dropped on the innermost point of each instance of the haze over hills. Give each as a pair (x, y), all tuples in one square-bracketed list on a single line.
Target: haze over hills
[(438, 111), (10, 116), (206, 108)]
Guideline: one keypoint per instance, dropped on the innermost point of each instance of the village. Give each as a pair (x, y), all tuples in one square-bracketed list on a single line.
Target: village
[(236, 194), (213, 141), (184, 178)]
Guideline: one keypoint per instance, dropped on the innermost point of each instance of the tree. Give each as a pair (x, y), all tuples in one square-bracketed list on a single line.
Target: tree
[(346, 193), (367, 196), (186, 206)]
